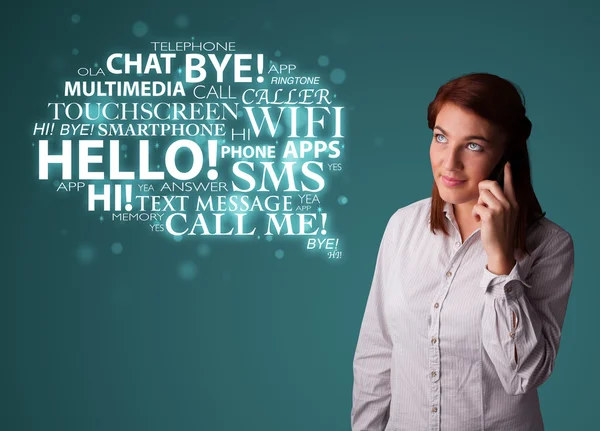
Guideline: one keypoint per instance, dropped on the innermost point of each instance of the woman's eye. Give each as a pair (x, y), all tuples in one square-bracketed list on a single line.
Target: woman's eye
[(476, 148), (480, 148)]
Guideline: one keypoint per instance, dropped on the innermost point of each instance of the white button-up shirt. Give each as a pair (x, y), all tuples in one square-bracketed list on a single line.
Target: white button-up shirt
[(447, 345)]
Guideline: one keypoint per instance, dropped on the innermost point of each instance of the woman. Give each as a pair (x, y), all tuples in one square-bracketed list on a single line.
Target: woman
[(464, 316)]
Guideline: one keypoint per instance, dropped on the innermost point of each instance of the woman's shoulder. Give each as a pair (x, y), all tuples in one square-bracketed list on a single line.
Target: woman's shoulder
[(545, 235), (547, 228), (410, 214)]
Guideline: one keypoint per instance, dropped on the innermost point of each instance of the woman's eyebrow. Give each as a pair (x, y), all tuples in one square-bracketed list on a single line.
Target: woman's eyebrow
[(468, 137)]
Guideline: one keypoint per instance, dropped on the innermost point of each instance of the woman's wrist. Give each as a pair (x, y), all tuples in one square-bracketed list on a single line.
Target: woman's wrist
[(501, 265)]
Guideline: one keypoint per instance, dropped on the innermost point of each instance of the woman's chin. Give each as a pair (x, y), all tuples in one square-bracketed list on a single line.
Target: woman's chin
[(455, 196)]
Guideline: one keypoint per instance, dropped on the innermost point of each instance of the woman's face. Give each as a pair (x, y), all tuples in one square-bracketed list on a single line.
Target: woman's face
[(464, 147)]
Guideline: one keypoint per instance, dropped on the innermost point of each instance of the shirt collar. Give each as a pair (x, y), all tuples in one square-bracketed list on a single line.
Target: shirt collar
[(449, 210)]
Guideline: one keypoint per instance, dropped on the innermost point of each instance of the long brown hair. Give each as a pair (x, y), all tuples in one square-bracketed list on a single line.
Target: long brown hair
[(502, 103)]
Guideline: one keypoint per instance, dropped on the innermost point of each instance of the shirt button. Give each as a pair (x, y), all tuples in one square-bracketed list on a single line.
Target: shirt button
[(512, 334), (448, 274), (436, 305), (433, 374), (457, 244), (433, 340), (434, 409), (508, 289)]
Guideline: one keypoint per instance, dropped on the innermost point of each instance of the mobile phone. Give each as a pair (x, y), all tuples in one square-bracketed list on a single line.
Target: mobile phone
[(498, 172)]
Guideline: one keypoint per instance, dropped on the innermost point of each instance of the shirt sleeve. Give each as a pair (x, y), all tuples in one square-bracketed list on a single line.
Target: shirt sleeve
[(371, 392), (523, 316)]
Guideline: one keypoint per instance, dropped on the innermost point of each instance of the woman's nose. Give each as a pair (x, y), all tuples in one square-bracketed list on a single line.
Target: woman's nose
[(452, 160)]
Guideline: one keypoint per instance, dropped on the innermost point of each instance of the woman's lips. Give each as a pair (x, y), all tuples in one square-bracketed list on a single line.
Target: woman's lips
[(451, 182)]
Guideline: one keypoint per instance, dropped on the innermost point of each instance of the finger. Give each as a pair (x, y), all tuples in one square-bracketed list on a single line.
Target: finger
[(481, 200), (496, 190), (475, 212), (481, 212), (482, 186), (509, 190), (489, 200)]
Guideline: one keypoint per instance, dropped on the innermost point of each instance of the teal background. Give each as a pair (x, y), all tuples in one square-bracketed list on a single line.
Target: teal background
[(254, 342)]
